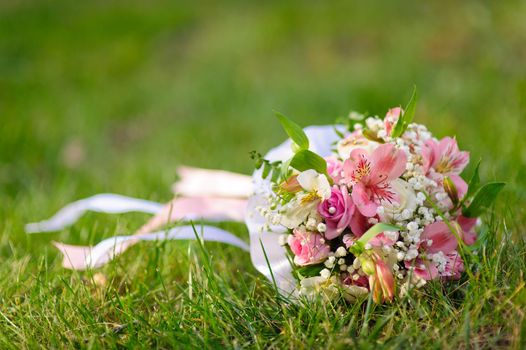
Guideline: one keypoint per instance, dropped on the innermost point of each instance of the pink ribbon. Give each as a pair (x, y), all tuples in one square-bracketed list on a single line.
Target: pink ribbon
[(227, 202)]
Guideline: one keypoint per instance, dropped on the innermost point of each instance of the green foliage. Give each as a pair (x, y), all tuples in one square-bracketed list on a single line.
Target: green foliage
[(305, 160), (269, 168), (483, 200), (474, 183), (310, 270), (294, 131), (407, 116)]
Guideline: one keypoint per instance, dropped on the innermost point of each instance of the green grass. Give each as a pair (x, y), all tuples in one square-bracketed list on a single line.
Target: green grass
[(105, 96)]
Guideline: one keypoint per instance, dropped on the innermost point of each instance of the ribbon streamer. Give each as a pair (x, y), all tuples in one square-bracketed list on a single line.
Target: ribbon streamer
[(102, 203), (82, 258), (213, 195)]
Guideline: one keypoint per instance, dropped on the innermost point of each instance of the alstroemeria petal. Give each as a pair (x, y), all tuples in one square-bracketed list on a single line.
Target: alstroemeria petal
[(440, 237)]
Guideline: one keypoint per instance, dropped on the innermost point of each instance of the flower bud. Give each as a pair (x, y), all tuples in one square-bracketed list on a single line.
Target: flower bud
[(451, 190), (291, 185), (368, 265)]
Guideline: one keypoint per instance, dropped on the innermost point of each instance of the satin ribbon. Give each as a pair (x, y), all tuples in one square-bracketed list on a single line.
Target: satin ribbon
[(213, 195)]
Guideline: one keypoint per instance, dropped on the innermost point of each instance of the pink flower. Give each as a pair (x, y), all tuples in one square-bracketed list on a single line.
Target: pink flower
[(469, 236), (308, 247), (444, 157), (361, 281), (334, 169), (382, 281), (454, 266), (391, 118), (437, 237), (355, 140), (371, 175), (337, 211)]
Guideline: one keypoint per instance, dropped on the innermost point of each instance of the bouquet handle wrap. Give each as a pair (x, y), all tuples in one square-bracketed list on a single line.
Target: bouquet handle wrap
[(211, 195)]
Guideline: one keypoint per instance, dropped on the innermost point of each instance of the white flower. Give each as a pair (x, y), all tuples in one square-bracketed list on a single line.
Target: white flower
[(353, 292), (304, 205), (298, 211), (314, 183), (353, 141), (314, 287), (341, 251), (325, 273), (406, 201)]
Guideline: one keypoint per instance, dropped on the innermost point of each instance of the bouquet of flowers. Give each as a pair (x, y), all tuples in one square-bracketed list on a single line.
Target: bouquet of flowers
[(384, 213), (368, 207)]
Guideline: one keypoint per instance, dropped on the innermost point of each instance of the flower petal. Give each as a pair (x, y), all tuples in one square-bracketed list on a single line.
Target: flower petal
[(387, 163), (441, 236), (363, 201), (460, 184), (307, 179)]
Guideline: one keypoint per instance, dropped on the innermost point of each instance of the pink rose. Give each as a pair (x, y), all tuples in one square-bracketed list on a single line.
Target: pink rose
[(308, 247), (337, 211)]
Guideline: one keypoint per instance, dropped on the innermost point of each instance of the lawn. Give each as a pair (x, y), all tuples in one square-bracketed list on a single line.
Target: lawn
[(108, 96)]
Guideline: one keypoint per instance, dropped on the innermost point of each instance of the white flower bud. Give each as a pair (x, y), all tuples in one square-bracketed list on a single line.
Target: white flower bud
[(341, 251), (325, 273)]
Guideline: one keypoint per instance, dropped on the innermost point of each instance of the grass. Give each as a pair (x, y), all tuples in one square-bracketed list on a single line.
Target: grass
[(111, 97)]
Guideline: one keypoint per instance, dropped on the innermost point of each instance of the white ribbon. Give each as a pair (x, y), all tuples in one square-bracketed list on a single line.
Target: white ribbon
[(102, 203), (267, 255)]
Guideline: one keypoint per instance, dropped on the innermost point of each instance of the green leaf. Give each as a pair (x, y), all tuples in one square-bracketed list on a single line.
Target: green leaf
[(484, 198), (257, 158), (474, 183), (285, 168), (310, 270), (407, 116), (376, 230), (294, 131), (276, 171), (266, 169), (305, 160), (371, 136)]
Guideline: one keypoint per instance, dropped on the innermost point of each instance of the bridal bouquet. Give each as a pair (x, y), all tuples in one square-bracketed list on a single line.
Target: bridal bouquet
[(366, 207), (386, 211)]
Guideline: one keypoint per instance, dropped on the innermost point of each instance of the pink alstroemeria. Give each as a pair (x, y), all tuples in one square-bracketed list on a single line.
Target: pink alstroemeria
[(444, 158), (382, 281), (308, 247), (391, 118), (454, 266), (437, 237), (371, 175), (337, 211), (469, 236)]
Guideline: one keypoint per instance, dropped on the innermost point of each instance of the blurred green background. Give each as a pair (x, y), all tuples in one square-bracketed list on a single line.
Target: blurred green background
[(109, 96)]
